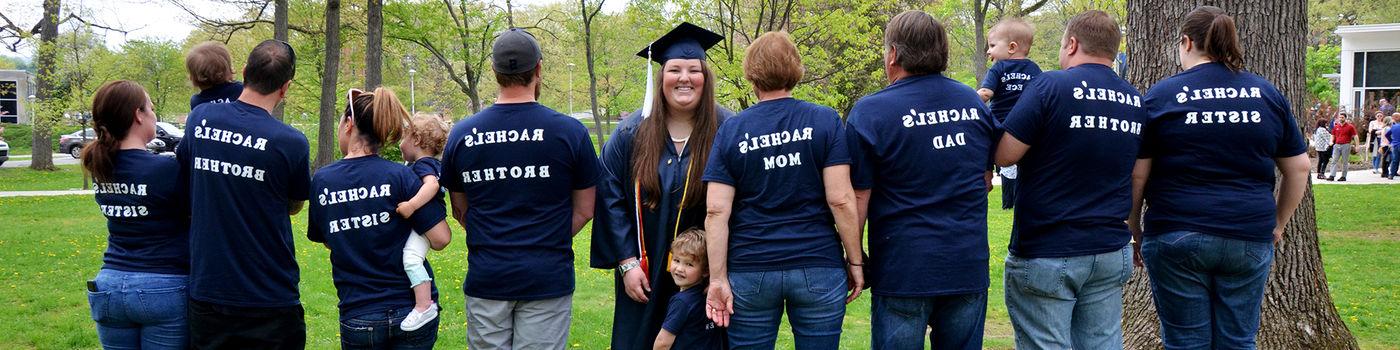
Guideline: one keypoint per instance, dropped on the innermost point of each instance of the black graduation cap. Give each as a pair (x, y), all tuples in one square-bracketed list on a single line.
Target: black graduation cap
[(686, 41)]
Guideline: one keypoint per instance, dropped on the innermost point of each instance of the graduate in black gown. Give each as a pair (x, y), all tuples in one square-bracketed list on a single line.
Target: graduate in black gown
[(652, 165)]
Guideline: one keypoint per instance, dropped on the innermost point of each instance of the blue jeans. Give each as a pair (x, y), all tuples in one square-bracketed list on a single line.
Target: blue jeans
[(957, 321), (140, 310), (1394, 160), (814, 297), (1208, 289), (380, 330), (1072, 302)]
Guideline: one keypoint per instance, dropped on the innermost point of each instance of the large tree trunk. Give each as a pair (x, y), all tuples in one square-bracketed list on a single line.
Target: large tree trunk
[(1297, 308), (588, 15), (374, 45), (279, 32), (325, 148), (42, 138), (979, 47)]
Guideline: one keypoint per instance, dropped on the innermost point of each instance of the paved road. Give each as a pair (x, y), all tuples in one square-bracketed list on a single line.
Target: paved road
[(20, 161)]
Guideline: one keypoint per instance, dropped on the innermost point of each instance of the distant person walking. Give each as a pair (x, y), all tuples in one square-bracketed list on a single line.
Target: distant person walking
[(138, 297), (1342, 134), (1322, 143)]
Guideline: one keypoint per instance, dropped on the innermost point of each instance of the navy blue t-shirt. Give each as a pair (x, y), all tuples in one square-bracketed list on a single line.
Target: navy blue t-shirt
[(1393, 134), (245, 169), (773, 154), (1006, 79), (148, 220), (429, 166), (1213, 135), (518, 165), (1084, 127), (353, 214), (685, 318), (922, 146), (222, 93)]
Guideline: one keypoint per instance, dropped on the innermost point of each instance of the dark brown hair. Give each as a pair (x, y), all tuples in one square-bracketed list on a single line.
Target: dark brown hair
[(1213, 32), (919, 41), (517, 79), (1096, 32), (652, 139), (270, 65), (771, 62), (379, 117), (113, 110), (209, 64)]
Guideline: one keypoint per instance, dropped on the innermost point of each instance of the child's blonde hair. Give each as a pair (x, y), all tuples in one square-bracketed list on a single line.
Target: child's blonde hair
[(691, 243), (429, 132), (1015, 29)]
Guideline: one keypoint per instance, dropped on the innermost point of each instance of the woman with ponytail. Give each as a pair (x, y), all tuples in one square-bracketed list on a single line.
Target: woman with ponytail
[(1214, 137), (353, 204), (138, 298)]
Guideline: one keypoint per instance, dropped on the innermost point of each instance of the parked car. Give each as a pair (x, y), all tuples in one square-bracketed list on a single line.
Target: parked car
[(4, 152), (170, 135), (73, 142)]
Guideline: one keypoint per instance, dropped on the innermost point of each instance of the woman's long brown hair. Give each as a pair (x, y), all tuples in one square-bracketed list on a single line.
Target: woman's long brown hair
[(113, 109), (652, 139)]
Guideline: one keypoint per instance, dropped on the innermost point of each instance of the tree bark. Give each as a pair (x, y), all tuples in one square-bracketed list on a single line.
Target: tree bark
[(325, 148), (1297, 308), (42, 142), (374, 45), (279, 32), (979, 49), (589, 13)]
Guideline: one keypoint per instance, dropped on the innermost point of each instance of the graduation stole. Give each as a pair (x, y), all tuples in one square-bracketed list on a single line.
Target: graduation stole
[(680, 209)]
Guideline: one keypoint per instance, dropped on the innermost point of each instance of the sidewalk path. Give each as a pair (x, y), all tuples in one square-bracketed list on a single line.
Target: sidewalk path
[(42, 193)]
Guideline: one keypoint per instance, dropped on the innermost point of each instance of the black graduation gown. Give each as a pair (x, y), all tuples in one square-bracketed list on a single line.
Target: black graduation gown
[(614, 235)]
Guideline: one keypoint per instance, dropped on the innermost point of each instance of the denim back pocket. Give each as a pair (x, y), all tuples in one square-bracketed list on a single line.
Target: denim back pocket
[(822, 280), (1039, 276), (746, 283), (99, 303), (164, 304)]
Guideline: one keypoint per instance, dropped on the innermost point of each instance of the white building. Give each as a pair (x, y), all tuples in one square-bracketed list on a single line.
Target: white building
[(1370, 66), (15, 88)]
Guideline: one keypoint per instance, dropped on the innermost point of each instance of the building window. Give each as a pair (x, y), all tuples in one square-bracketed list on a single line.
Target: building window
[(9, 102), (1358, 69), (1383, 69)]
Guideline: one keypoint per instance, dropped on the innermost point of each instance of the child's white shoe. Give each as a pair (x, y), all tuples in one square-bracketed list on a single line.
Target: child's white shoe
[(416, 319)]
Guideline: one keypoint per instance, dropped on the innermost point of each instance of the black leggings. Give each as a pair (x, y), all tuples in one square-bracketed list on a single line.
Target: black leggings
[(1323, 158)]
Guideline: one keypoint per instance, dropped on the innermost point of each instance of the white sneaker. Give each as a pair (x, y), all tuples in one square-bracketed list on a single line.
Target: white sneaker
[(416, 319)]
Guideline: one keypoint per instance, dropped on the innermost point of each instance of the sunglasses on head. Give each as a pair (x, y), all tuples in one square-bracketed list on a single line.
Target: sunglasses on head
[(350, 100)]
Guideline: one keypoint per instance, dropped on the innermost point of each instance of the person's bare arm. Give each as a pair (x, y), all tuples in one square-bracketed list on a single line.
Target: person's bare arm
[(719, 300), (1141, 169), (295, 207), (985, 93), (583, 207), (439, 236), (842, 201), (459, 208), (1010, 150), (430, 188), (664, 340), (862, 207), (1291, 189)]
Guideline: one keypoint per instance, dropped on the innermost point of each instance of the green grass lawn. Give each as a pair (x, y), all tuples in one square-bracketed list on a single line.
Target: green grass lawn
[(68, 177), (51, 245)]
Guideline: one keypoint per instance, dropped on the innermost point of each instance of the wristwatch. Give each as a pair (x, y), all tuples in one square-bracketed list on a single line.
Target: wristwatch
[(628, 266)]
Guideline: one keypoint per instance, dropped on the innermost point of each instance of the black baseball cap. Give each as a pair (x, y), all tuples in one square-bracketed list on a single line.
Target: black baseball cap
[(515, 51)]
